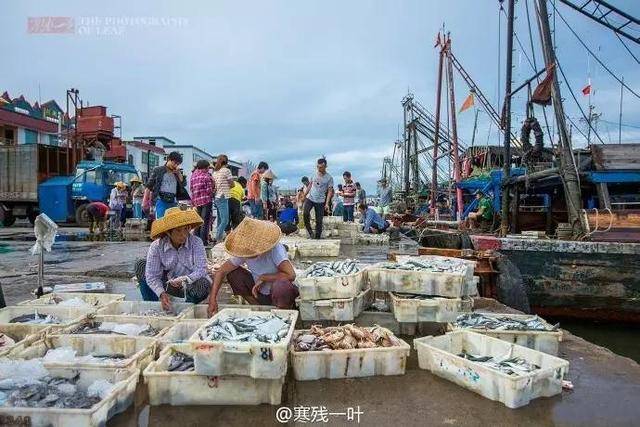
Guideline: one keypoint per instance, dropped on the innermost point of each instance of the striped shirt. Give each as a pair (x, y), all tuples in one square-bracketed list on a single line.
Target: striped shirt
[(349, 194), (221, 178)]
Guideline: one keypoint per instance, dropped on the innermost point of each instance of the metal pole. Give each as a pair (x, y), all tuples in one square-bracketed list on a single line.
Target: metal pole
[(405, 153), (40, 290), (454, 136), (568, 170), (620, 116), (506, 169), (434, 173)]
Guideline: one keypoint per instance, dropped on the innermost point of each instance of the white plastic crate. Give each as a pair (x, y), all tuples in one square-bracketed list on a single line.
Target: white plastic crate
[(66, 315), (135, 308), (433, 309), (253, 359), (190, 388), (117, 400), (358, 362), (22, 334), (161, 324), (317, 288), (471, 265), (340, 309), (440, 356), (453, 285), (94, 300), (371, 239), (139, 352), (316, 248), (200, 310), (545, 341), (180, 332)]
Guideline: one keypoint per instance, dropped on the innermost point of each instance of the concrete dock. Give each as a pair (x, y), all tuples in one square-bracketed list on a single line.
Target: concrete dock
[(606, 386)]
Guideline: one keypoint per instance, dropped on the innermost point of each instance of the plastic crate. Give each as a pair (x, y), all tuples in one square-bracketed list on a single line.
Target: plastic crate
[(358, 362), (66, 315), (253, 359), (118, 399), (180, 332), (440, 356), (190, 388), (22, 334), (200, 310), (432, 309), (135, 308), (545, 341), (340, 309), (161, 324), (318, 288), (94, 300), (139, 351)]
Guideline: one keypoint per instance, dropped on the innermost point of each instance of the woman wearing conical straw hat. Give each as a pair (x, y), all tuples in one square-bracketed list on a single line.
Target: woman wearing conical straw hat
[(176, 261), (268, 278)]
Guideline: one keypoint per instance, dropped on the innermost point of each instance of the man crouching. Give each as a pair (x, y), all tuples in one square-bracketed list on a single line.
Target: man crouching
[(176, 262), (268, 278)]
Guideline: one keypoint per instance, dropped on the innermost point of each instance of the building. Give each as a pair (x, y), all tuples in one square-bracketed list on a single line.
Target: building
[(158, 141), (25, 123), (144, 156)]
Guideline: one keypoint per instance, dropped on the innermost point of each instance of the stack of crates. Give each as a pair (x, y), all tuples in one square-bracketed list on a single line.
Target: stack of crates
[(225, 372)]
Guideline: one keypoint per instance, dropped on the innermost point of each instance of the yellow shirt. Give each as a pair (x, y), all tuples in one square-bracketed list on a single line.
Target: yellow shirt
[(237, 192)]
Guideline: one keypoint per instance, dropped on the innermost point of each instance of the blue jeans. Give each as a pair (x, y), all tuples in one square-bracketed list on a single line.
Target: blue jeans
[(256, 209), (162, 206), (347, 213), (222, 205), (137, 210)]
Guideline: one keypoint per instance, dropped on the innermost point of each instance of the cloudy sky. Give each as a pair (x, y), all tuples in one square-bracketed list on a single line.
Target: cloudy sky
[(289, 81)]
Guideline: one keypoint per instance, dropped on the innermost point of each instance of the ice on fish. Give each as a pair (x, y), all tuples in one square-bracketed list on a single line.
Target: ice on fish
[(267, 329), (446, 265), (36, 319), (514, 366), (506, 323), (152, 312), (69, 355), (332, 269), (76, 302)]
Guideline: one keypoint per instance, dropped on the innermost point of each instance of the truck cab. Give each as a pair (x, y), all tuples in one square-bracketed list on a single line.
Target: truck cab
[(94, 181)]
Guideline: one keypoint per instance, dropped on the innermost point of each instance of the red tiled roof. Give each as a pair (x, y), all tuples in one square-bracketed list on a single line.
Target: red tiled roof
[(21, 120)]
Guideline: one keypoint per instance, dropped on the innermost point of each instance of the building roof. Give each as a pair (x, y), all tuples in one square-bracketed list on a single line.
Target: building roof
[(146, 147), (19, 112), (231, 162), (170, 141)]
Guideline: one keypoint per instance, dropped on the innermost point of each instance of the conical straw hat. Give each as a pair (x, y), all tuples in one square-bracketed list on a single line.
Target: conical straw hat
[(269, 175), (252, 238), (174, 218)]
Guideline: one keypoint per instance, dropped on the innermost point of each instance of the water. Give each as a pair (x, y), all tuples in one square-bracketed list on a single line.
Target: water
[(620, 338)]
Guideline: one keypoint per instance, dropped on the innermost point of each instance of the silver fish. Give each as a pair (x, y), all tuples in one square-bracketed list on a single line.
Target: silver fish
[(514, 366), (180, 362), (504, 323), (332, 269), (267, 329), (433, 265), (36, 319)]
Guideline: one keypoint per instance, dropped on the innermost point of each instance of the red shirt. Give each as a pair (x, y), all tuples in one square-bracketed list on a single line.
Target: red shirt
[(201, 186), (100, 207), (253, 186)]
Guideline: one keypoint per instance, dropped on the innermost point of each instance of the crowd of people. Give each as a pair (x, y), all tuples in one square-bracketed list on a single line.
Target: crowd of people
[(250, 218)]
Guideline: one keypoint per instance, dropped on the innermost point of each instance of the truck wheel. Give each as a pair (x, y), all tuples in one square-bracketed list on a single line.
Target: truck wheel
[(7, 218), (32, 214), (82, 218)]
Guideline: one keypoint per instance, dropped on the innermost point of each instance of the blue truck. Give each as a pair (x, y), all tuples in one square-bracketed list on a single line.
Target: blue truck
[(37, 178)]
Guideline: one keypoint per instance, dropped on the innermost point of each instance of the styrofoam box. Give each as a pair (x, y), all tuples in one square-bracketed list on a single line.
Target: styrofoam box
[(371, 239), (139, 352), (545, 341), (340, 309), (357, 362), (440, 356), (161, 324), (94, 300), (190, 388), (318, 248), (347, 286), (253, 359), (200, 310), (23, 335), (117, 400), (471, 265), (135, 308), (418, 282), (66, 315), (433, 309)]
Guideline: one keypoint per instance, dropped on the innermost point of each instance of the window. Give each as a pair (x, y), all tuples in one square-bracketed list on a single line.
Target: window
[(145, 156), (130, 159), (113, 176), (93, 177), (153, 160), (30, 136)]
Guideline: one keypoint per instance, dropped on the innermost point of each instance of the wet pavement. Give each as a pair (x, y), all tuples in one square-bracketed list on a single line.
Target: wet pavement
[(606, 390)]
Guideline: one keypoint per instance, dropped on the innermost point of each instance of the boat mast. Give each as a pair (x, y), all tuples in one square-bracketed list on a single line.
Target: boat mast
[(568, 171), (506, 116)]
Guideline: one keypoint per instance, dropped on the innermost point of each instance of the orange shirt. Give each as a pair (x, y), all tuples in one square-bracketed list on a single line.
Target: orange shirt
[(253, 186)]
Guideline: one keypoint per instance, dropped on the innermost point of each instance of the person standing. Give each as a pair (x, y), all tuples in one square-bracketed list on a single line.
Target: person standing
[(318, 197), (268, 195), (201, 187), (253, 190), (223, 181), (349, 192), (167, 184), (361, 195), (118, 201), (235, 202), (137, 194), (386, 196)]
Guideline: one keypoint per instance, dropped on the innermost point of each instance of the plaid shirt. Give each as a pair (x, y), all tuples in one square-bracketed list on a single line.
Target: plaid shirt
[(201, 186), (164, 262)]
